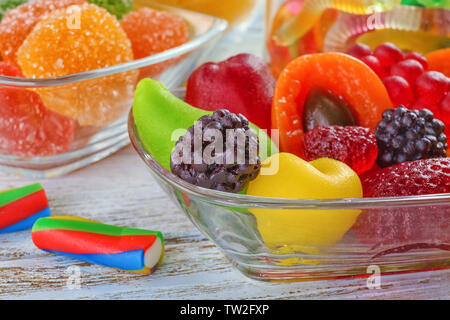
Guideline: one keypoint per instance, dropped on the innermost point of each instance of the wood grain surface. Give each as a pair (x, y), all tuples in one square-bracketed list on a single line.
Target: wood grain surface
[(120, 191)]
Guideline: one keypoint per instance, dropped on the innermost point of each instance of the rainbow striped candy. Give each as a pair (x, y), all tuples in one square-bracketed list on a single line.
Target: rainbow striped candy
[(134, 250), (21, 207)]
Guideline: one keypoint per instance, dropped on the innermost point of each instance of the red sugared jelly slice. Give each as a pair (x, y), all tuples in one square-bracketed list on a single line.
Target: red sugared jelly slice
[(27, 128), (355, 146), (241, 84)]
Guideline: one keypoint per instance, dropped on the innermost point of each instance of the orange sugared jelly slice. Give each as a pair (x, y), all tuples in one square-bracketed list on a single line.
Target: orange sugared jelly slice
[(74, 40), (346, 77), (17, 24), (439, 60)]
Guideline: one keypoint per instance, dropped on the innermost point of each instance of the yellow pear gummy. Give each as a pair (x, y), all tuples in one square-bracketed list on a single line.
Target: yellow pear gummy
[(305, 230)]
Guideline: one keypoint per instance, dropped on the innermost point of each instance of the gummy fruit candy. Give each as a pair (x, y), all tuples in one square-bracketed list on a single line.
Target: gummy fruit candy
[(398, 226), (305, 230), (241, 84), (439, 60), (159, 116), (151, 32), (399, 89), (119, 8), (406, 135), (19, 22), (347, 78), (355, 146), (221, 172), (10, 69), (426, 176), (27, 128), (6, 5), (55, 48)]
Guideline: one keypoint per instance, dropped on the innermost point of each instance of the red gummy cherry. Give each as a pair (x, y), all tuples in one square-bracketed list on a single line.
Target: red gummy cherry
[(375, 64), (431, 87), (399, 90), (359, 50), (419, 58), (408, 69), (388, 54), (241, 84)]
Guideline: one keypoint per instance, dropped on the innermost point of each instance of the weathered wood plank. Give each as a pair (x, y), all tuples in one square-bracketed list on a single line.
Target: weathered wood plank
[(119, 191)]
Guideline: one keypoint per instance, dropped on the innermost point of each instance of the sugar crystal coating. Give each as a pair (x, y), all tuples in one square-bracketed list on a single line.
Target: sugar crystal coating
[(56, 48), (27, 128), (151, 32), (19, 22), (6, 5)]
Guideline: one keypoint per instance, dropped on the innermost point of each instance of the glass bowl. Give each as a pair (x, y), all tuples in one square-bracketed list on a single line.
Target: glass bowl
[(397, 234), (91, 144)]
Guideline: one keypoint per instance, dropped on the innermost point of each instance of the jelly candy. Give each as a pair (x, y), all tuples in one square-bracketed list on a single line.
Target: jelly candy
[(29, 129), (159, 116), (361, 94), (355, 146), (10, 69), (296, 178), (55, 48), (406, 225), (19, 22), (151, 32), (6, 5), (241, 84), (311, 11), (119, 8), (439, 60)]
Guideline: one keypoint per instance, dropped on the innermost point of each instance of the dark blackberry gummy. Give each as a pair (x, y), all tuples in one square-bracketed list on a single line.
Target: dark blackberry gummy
[(407, 135), (210, 160)]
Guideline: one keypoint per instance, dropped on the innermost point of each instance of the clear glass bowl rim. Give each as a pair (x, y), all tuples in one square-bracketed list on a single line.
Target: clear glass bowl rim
[(217, 27), (239, 200)]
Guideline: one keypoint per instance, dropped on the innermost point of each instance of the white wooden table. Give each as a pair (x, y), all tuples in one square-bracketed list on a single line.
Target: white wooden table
[(120, 191)]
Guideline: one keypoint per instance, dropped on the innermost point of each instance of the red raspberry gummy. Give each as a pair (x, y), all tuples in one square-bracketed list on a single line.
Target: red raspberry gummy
[(431, 87), (359, 50), (419, 58), (406, 225), (388, 54), (399, 90), (409, 70), (355, 146), (375, 64), (241, 84)]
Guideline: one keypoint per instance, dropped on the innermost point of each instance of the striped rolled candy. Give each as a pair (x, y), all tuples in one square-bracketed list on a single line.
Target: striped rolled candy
[(133, 250), (21, 207)]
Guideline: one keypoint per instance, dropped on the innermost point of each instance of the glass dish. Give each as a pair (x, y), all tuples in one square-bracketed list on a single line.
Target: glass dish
[(416, 236), (411, 28), (92, 144)]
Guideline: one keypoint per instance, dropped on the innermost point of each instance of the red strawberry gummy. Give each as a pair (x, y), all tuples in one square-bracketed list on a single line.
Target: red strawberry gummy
[(418, 57), (406, 225), (27, 128), (241, 84), (355, 146), (359, 50)]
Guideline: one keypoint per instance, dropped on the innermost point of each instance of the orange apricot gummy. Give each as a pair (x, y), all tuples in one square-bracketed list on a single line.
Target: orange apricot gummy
[(151, 32), (20, 21), (439, 60), (59, 46), (345, 77)]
